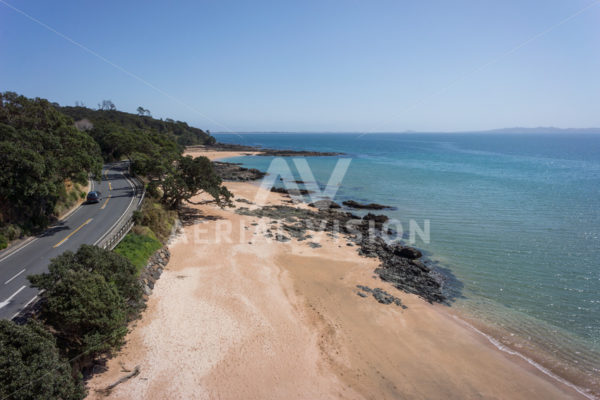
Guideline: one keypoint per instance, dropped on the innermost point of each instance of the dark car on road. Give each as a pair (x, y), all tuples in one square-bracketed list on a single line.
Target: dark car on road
[(94, 197)]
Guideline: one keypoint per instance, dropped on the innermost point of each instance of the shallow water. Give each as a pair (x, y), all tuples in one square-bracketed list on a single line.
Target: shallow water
[(515, 217)]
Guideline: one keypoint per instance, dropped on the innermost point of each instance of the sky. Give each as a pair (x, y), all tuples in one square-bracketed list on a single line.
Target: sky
[(321, 66)]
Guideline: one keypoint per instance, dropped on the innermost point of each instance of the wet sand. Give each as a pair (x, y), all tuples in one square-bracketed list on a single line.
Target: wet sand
[(238, 315)]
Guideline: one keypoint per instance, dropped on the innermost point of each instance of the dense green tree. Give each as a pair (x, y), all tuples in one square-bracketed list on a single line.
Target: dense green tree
[(114, 268), (87, 299), (190, 177), (87, 313), (40, 150), (108, 120), (31, 367)]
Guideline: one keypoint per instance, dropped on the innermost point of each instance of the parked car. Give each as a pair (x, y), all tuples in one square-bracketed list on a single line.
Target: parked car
[(94, 197)]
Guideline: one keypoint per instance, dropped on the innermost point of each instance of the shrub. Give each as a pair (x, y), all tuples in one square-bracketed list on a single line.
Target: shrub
[(86, 311), (113, 267), (30, 365), (87, 300), (11, 232), (3, 242), (157, 218)]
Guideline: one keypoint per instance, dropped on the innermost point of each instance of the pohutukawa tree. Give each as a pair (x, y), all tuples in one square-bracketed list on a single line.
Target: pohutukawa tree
[(190, 177), (31, 366)]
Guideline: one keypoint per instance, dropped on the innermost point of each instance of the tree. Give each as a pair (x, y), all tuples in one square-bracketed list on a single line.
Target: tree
[(31, 367), (114, 268), (106, 105), (40, 149), (87, 298), (143, 112), (190, 177)]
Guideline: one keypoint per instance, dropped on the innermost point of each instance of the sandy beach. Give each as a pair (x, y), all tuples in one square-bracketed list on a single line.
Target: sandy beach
[(238, 315)]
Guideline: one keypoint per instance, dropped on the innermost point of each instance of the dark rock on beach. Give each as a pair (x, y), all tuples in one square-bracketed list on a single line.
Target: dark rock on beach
[(380, 295), (407, 252), (324, 204), (293, 192), (232, 172), (378, 219)]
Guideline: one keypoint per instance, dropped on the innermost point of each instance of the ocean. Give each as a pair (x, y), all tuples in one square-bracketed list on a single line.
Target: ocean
[(515, 218)]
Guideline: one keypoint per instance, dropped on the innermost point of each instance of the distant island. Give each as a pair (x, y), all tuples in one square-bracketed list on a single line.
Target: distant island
[(543, 129)]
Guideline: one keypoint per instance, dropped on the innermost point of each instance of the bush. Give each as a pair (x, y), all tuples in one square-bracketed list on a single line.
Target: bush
[(30, 365), (11, 232), (87, 300), (114, 268), (138, 247), (157, 218), (3, 242), (87, 313)]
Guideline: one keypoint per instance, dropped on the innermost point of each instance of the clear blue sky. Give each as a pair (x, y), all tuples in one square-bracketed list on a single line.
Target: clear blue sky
[(324, 65)]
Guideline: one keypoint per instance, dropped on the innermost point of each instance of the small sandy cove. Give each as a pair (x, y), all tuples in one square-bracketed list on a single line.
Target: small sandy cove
[(240, 316)]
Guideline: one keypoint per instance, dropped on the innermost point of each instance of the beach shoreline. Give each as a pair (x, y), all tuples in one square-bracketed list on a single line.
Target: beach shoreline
[(259, 318)]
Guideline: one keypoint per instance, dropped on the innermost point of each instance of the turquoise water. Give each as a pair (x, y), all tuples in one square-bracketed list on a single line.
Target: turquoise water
[(516, 218)]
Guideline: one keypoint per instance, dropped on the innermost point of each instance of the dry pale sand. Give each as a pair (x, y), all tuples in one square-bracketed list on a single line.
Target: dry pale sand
[(238, 316)]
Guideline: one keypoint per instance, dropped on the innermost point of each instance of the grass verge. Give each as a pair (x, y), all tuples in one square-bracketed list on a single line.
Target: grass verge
[(138, 246)]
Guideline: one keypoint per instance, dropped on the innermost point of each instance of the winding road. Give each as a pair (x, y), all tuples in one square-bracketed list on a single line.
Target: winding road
[(88, 224)]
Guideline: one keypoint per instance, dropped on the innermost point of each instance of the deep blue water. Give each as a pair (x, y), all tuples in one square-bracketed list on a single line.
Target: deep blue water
[(516, 218)]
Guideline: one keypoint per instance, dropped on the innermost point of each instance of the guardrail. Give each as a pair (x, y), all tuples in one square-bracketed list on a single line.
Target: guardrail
[(112, 238)]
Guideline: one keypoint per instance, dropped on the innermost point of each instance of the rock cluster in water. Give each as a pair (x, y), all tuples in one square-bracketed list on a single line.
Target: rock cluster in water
[(369, 206)]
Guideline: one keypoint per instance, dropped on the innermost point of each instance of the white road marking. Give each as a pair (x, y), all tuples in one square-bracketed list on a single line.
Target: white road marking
[(17, 274), (5, 302), (31, 240), (26, 305)]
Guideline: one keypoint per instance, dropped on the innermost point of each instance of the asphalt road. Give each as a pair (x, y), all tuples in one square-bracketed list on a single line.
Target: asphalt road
[(88, 224)]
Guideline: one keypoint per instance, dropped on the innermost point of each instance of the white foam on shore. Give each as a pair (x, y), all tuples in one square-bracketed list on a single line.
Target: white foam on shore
[(538, 366)]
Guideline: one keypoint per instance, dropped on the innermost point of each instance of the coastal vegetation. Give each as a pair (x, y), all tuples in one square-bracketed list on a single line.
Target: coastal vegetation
[(40, 150), (48, 153), (138, 246), (105, 122), (88, 298), (31, 366)]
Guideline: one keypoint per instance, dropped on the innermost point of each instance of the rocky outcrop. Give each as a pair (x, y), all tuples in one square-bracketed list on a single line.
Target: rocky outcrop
[(233, 172), (369, 206), (380, 295), (324, 204), (293, 192)]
